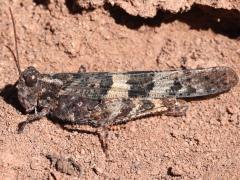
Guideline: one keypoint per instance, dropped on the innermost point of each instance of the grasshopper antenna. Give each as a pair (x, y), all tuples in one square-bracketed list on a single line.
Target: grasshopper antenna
[(16, 57)]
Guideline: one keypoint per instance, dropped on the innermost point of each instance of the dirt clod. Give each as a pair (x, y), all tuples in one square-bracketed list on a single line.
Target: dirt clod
[(67, 166)]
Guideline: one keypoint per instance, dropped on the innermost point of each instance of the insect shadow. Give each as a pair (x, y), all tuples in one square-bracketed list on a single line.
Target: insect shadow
[(10, 95)]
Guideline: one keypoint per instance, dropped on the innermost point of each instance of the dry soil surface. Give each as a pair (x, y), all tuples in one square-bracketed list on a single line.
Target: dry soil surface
[(117, 35)]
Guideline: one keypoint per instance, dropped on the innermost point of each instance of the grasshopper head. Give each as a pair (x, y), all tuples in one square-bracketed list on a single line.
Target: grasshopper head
[(28, 88)]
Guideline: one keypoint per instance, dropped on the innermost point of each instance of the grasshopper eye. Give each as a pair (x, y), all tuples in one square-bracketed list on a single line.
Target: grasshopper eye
[(31, 80), (30, 76)]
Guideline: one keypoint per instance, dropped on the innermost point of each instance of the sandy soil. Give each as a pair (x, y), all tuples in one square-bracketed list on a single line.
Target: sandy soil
[(61, 35)]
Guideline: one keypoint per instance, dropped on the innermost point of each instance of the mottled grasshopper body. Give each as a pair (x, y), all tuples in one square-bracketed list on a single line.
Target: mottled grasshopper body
[(102, 98)]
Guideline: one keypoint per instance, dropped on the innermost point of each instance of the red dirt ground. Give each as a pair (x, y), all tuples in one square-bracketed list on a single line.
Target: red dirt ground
[(112, 35)]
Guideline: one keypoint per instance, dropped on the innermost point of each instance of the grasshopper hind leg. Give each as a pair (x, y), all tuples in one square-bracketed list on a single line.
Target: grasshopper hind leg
[(118, 111), (145, 108)]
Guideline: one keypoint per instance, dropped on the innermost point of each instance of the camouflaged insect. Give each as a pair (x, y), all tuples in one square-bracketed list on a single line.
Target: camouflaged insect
[(100, 99), (103, 98)]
